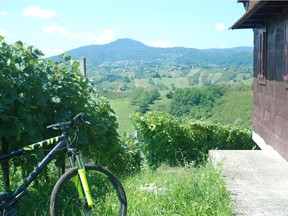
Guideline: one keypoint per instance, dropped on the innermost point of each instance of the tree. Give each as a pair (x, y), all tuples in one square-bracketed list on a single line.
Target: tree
[(196, 102), (156, 75), (143, 98)]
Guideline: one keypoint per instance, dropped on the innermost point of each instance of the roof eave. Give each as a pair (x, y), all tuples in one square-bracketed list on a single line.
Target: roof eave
[(247, 15)]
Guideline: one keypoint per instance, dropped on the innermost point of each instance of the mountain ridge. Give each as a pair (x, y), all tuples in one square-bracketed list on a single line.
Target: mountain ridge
[(135, 52)]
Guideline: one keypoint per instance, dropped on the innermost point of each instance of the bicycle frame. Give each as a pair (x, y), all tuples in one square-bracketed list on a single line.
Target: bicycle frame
[(62, 142)]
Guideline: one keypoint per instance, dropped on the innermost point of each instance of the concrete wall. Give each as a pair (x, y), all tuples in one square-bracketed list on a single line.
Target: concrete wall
[(270, 118)]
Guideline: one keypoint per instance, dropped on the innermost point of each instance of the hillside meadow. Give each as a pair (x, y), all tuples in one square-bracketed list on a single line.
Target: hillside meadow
[(123, 109), (235, 108)]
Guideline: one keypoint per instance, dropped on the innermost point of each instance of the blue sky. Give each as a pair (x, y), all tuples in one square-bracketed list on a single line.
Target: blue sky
[(56, 26)]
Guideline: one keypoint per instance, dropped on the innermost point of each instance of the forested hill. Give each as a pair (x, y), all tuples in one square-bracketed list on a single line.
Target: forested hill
[(127, 52)]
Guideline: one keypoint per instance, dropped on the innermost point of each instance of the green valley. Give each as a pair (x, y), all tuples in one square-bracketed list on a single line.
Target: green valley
[(121, 68)]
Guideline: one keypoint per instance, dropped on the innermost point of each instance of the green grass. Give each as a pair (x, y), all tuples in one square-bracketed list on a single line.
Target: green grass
[(180, 82), (179, 191), (161, 105), (236, 109), (123, 109), (177, 82), (193, 71), (214, 77)]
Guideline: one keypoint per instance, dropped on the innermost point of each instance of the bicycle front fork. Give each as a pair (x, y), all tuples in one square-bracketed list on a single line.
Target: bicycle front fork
[(84, 186)]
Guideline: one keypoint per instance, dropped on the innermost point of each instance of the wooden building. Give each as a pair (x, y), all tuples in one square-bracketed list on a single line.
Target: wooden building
[(269, 21)]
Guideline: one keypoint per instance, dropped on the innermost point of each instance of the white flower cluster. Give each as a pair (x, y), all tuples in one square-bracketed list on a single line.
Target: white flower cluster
[(151, 188)]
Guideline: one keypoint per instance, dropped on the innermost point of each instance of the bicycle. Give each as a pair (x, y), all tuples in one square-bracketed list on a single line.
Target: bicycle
[(85, 189)]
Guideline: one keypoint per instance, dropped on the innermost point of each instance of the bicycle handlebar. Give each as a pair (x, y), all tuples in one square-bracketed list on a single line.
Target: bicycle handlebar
[(79, 117), (66, 125)]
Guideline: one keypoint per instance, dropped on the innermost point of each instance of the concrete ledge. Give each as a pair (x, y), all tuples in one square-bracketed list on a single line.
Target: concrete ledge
[(263, 145), (257, 180)]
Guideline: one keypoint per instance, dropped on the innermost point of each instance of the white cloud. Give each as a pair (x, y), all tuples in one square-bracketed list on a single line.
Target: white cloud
[(219, 26), (52, 52), (103, 36), (49, 29), (34, 11), (3, 32), (158, 43), (71, 35), (4, 13)]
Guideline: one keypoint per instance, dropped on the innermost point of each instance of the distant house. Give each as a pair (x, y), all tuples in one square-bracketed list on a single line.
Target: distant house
[(269, 21)]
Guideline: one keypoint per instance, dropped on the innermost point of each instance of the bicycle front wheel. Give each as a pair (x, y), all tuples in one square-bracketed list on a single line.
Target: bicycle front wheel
[(107, 192)]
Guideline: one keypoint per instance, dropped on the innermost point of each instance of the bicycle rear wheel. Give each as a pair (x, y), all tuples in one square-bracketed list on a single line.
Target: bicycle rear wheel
[(107, 192)]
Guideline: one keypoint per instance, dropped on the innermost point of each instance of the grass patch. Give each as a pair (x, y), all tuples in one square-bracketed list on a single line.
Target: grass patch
[(235, 109), (123, 109), (214, 77), (193, 71), (180, 82), (178, 191), (161, 105), (167, 191)]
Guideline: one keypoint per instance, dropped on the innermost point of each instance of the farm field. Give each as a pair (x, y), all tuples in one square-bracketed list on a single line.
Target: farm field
[(180, 82)]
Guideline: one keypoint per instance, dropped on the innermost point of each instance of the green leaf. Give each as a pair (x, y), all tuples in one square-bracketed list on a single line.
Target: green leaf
[(19, 44)]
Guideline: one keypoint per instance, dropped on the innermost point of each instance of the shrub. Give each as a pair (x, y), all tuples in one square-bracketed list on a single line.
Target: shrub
[(165, 138)]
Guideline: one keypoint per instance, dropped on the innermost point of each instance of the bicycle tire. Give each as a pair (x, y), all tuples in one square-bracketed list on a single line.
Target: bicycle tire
[(106, 190)]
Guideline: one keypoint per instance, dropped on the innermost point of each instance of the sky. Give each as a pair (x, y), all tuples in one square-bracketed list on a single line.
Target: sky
[(57, 26)]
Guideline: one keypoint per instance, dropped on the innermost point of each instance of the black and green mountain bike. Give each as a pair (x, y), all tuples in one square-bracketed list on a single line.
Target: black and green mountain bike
[(88, 189)]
